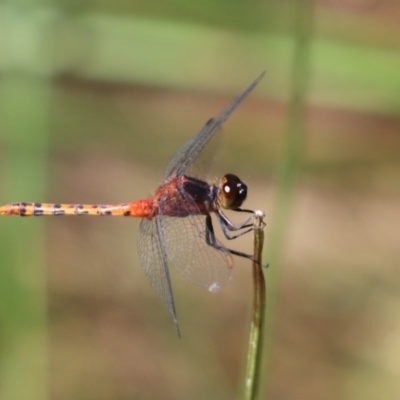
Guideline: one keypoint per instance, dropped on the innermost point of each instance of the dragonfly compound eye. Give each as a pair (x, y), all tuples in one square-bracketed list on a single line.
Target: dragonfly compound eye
[(233, 192)]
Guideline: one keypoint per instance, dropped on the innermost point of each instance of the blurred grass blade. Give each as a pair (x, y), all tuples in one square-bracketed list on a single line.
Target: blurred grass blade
[(295, 133), (24, 111), (24, 122)]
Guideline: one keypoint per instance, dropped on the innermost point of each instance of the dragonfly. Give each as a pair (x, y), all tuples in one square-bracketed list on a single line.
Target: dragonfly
[(176, 228)]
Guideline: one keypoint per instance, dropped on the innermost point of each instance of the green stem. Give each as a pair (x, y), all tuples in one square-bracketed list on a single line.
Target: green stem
[(257, 321), (291, 163), (25, 108)]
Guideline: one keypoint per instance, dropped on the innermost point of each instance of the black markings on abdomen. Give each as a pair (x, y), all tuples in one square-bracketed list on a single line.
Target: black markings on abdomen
[(59, 212)]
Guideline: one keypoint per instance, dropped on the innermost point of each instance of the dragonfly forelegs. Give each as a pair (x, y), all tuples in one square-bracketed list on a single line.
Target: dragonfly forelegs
[(211, 240), (227, 225)]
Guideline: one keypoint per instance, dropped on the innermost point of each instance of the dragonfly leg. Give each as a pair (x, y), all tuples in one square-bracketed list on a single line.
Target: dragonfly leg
[(227, 225), (211, 240)]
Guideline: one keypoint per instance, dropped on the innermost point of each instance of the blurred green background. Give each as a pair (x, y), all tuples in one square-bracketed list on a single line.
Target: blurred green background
[(94, 99)]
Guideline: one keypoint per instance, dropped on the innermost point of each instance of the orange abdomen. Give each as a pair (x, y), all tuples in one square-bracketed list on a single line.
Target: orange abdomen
[(140, 208)]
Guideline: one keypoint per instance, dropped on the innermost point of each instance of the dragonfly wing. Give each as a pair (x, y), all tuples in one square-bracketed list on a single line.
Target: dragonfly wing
[(186, 155), (188, 251), (194, 258), (153, 258), (196, 165)]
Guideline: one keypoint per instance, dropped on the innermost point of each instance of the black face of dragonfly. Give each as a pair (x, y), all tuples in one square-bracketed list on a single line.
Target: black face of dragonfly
[(232, 192)]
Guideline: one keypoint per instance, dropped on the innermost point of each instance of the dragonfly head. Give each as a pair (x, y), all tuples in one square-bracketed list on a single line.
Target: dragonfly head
[(232, 192)]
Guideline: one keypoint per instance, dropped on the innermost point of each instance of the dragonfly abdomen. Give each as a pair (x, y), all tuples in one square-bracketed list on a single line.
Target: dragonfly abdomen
[(40, 209)]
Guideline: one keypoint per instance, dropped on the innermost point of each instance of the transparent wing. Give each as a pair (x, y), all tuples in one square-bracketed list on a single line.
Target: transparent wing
[(153, 258), (188, 251), (187, 154), (196, 165), (197, 261)]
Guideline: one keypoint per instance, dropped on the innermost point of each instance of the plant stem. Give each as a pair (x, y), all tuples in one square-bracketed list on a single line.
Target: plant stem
[(257, 321)]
